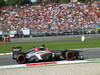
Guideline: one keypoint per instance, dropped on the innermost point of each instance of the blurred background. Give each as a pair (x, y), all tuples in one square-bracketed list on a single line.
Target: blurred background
[(35, 18)]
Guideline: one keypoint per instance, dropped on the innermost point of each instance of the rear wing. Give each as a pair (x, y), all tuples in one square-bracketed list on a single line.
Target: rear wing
[(16, 51)]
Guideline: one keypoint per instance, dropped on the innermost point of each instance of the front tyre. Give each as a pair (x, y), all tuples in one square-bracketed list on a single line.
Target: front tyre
[(71, 55)]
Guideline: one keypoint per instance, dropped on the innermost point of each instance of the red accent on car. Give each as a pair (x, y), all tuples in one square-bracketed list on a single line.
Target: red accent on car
[(43, 63), (42, 54)]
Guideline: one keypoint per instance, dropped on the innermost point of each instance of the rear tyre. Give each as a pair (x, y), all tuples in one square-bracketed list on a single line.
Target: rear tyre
[(21, 59)]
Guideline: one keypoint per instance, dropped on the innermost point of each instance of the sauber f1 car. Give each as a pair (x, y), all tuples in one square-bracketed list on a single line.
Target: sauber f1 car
[(43, 54)]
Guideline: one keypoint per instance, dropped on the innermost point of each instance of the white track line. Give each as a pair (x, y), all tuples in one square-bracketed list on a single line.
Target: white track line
[(5, 53), (72, 62), (12, 66)]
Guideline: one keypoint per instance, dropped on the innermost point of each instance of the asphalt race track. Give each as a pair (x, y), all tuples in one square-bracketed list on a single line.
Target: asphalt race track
[(88, 53), (6, 60)]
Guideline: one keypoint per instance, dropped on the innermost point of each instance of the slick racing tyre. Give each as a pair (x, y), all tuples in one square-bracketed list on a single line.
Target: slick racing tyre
[(21, 59), (72, 55)]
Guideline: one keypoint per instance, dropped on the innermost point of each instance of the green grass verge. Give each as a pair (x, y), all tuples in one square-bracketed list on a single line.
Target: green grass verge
[(52, 45)]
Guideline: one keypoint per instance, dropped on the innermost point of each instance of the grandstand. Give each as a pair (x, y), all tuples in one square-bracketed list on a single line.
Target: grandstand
[(52, 18)]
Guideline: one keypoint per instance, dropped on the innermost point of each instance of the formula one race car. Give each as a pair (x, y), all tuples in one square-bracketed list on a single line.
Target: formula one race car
[(43, 54)]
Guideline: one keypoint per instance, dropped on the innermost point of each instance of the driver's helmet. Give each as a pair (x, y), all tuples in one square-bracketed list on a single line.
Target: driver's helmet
[(42, 48), (39, 49)]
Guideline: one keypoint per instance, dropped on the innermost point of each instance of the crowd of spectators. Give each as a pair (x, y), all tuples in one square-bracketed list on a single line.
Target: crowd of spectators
[(50, 17)]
